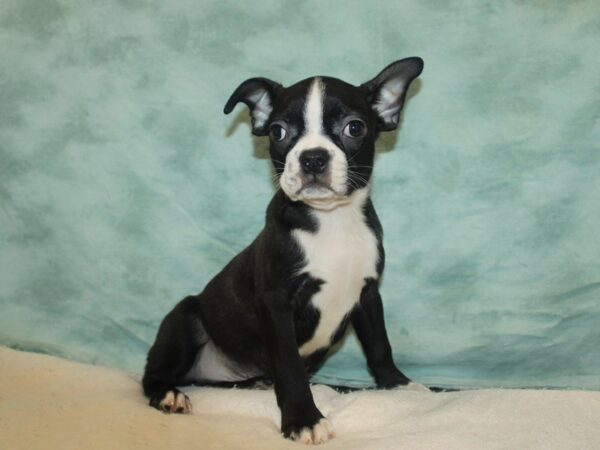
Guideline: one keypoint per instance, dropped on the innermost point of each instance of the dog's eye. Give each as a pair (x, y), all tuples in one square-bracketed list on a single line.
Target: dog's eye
[(355, 129), (278, 133)]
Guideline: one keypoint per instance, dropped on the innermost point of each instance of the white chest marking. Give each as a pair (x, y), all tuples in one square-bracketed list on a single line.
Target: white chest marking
[(342, 253)]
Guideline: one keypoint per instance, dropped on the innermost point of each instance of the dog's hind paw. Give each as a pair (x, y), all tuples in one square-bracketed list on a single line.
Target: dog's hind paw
[(320, 433), (173, 401), (415, 387)]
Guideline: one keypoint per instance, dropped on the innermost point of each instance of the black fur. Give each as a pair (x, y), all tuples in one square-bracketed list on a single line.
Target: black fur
[(257, 311)]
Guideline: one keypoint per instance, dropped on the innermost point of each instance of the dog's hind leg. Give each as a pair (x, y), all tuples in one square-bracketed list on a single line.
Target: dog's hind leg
[(180, 337)]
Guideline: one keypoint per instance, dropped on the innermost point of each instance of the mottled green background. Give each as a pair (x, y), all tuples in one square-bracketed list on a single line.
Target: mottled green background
[(123, 187)]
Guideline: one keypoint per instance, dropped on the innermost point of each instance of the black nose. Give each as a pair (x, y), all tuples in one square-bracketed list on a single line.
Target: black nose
[(314, 161)]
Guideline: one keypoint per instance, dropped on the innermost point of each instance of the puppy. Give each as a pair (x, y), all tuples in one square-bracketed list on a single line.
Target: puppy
[(274, 311)]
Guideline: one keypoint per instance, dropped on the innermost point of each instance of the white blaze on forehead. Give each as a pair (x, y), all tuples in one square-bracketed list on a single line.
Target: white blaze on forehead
[(313, 112)]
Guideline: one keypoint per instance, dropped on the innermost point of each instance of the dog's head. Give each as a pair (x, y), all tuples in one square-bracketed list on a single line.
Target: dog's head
[(323, 130)]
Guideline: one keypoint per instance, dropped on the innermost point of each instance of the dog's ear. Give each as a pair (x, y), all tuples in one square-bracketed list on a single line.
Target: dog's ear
[(258, 94), (387, 90)]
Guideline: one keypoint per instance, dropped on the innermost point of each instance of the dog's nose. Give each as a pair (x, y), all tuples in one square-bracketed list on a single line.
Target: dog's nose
[(314, 162)]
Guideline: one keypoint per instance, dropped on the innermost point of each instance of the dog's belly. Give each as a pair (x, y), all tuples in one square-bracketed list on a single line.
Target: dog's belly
[(211, 365), (343, 254)]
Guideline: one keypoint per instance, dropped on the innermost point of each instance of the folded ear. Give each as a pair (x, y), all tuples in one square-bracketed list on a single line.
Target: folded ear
[(387, 90), (258, 94)]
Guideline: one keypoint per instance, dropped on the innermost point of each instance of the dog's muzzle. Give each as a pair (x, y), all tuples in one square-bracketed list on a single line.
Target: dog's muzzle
[(315, 175)]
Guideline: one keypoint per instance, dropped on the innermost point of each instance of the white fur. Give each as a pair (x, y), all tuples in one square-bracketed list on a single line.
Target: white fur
[(212, 365), (179, 403), (168, 401), (415, 387), (387, 106), (314, 137), (342, 253), (313, 111), (320, 433), (262, 108)]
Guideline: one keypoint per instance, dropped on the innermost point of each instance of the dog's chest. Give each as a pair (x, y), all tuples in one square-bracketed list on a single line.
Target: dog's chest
[(342, 253)]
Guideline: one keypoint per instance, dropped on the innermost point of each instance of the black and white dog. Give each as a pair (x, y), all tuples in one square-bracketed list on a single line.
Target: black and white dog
[(274, 311)]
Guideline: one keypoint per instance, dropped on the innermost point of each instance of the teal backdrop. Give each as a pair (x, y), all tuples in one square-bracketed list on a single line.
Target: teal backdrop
[(123, 187)]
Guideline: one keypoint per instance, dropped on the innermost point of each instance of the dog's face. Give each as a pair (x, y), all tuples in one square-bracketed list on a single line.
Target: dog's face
[(323, 130)]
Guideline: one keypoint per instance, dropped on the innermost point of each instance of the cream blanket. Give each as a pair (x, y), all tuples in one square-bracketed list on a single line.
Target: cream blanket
[(48, 403)]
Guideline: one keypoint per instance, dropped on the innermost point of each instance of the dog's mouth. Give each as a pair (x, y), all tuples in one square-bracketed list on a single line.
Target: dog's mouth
[(315, 188), (320, 195)]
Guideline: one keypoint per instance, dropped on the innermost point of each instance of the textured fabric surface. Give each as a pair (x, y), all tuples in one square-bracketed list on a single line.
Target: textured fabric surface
[(51, 403), (123, 187)]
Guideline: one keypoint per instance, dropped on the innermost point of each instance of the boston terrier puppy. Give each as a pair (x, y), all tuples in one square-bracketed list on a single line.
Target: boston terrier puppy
[(276, 309)]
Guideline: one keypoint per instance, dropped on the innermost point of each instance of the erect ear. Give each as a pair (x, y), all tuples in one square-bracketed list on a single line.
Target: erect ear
[(258, 94), (387, 90)]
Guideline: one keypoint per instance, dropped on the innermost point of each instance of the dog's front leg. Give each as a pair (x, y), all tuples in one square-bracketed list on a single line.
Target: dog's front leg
[(368, 322), (300, 418)]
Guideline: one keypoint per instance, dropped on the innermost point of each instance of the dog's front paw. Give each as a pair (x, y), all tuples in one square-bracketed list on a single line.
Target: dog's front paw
[(173, 401), (415, 387), (318, 433)]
